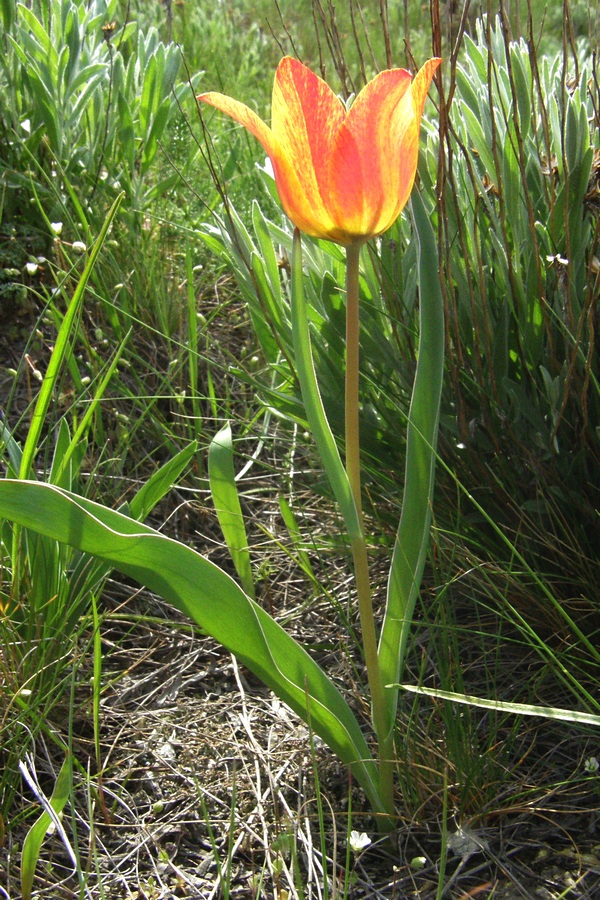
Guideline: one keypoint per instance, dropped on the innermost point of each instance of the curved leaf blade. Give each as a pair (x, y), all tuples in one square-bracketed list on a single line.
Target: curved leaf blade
[(313, 403), (412, 539), (201, 590), (34, 839), (221, 477)]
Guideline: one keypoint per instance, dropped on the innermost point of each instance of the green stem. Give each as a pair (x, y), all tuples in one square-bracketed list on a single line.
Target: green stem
[(352, 375), (358, 542)]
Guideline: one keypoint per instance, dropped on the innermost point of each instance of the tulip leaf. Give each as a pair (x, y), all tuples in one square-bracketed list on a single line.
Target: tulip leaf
[(38, 831), (313, 403), (221, 477), (412, 539), (198, 588), (160, 483)]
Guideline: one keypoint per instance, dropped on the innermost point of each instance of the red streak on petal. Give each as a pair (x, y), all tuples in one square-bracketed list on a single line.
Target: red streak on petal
[(364, 182), (306, 116)]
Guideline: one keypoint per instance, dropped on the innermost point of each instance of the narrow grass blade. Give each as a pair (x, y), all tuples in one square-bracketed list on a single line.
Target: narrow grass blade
[(192, 345), (201, 590), (11, 447), (36, 834), (291, 524), (160, 483), (60, 349), (412, 538), (67, 457), (522, 709), (221, 478), (90, 410), (8, 12)]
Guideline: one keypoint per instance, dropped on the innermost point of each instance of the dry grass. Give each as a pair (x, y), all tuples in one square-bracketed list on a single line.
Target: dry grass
[(208, 782)]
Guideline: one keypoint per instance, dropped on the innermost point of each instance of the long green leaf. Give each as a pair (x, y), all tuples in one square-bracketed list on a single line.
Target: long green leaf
[(38, 831), (412, 538), (221, 477), (89, 572), (313, 404), (210, 597)]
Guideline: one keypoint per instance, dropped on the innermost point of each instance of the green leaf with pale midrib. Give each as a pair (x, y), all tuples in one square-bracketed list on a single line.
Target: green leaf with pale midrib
[(38, 831), (574, 716)]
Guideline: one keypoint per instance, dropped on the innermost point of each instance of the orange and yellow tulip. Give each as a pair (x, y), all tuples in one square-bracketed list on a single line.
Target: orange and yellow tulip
[(343, 175)]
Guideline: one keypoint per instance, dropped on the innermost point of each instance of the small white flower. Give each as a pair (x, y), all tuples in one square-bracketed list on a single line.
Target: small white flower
[(26, 125), (358, 841), (79, 246), (56, 227), (31, 268), (591, 765)]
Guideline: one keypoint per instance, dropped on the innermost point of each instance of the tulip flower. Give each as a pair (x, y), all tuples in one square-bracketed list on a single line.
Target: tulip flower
[(342, 174)]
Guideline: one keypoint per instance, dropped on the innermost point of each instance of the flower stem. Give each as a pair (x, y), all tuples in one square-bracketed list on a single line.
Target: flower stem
[(359, 544), (352, 375)]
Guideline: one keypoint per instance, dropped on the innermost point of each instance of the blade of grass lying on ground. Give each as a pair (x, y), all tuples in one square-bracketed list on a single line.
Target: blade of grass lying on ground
[(522, 709), (201, 590)]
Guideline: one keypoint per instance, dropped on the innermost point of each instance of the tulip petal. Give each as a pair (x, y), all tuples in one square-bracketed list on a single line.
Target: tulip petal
[(373, 163), (244, 115), (422, 83), (408, 137), (359, 179), (305, 118)]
